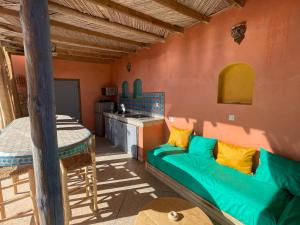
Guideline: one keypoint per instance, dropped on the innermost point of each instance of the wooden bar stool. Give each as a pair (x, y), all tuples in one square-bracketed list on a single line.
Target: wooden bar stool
[(78, 163), (14, 173)]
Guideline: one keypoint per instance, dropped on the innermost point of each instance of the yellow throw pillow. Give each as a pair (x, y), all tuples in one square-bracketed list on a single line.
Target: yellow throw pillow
[(237, 157), (179, 137)]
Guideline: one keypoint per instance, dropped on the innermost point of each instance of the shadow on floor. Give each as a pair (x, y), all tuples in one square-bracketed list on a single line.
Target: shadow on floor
[(123, 185)]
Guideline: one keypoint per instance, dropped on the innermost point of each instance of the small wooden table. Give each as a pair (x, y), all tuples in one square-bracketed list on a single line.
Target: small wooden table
[(156, 213)]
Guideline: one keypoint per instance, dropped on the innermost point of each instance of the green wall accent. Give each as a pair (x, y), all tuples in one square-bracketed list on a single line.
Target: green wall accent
[(137, 88), (124, 89)]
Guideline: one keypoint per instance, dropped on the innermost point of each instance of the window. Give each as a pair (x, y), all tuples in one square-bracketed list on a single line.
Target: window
[(236, 83), (137, 88), (125, 89)]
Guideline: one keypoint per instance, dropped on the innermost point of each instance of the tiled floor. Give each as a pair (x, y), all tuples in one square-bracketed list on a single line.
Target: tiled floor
[(123, 188)]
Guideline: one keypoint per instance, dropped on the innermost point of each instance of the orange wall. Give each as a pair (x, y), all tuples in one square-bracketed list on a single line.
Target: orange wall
[(186, 68), (92, 77)]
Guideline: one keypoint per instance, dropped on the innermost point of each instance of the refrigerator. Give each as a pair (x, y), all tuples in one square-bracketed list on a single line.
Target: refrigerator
[(102, 107)]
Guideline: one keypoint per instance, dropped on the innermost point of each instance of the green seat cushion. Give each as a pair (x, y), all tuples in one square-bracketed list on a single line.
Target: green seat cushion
[(247, 199), (202, 146), (291, 214), (280, 171), (165, 148), (162, 150)]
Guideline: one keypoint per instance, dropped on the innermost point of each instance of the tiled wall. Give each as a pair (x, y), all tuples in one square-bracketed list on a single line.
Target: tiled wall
[(152, 102)]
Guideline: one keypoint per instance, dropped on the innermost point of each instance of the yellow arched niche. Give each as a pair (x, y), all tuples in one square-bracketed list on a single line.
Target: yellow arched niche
[(236, 83)]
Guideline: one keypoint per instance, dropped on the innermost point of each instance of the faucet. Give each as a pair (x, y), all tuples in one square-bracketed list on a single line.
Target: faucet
[(123, 108)]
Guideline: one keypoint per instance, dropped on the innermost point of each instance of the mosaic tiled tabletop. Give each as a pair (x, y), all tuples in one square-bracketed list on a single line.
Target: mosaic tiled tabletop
[(15, 141)]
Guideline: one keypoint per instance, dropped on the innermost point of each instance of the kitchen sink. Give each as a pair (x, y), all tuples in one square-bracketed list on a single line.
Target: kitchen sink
[(122, 113), (136, 116)]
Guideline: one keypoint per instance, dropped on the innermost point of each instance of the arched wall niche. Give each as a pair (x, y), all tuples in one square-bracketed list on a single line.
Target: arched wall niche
[(236, 83)]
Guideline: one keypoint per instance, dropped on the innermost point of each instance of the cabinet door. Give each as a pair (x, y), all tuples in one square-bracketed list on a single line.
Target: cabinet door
[(131, 145), (123, 136), (108, 128), (119, 134), (115, 133)]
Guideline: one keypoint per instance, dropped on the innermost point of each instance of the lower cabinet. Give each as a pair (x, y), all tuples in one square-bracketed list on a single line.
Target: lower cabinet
[(122, 135), (132, 140), (119, 134), (108, 128)]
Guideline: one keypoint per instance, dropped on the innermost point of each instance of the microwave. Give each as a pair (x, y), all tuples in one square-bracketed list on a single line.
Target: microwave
[(109, 91)]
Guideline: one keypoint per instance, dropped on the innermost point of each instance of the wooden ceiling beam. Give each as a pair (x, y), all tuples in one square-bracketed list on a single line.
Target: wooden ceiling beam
[(85, 50), (15, 51), (16, 31), (4, 40), (9, 12), (67, 57), (182, 9), (95, 33), (238, 3), (85, 54), (66, 26), (9, 31), (80, 43), (10, 46), (83, 59), (18, 48), (136, 14), (102, 22)]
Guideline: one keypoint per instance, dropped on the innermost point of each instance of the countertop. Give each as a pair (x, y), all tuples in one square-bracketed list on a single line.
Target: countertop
[(139, 122)]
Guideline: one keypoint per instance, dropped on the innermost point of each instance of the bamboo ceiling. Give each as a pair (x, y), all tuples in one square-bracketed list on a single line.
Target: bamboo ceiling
[(105, 30)]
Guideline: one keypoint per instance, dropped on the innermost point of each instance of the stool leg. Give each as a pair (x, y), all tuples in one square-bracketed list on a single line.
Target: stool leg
[(79, 173), (87, 183), (2, 207), (64, 183), (33, 196), (94, 173), (15, 180), (94, 180)]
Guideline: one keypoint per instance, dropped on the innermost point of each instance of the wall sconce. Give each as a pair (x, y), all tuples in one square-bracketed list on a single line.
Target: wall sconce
[(128, 67), (238, 32)]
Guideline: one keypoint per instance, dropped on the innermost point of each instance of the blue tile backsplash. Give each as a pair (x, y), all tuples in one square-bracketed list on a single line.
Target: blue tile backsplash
[(152, 102)]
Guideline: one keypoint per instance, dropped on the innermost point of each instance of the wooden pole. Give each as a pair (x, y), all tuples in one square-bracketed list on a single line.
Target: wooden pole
[(41, 107)]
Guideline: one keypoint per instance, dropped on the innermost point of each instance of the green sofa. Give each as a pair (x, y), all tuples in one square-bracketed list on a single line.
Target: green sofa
[(246, 198)]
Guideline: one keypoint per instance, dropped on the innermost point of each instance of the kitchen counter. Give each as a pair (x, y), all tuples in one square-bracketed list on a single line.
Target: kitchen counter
[(139, 122)]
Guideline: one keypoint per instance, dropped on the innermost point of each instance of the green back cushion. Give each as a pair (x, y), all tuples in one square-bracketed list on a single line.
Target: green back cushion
[(291, 214), (202, 146), (280, 171)]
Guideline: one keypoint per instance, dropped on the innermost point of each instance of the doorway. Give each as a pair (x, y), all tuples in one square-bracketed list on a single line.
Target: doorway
[(67, 97)]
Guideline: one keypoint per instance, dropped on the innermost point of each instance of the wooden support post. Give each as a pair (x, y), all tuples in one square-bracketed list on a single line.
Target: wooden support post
[(41, 106)]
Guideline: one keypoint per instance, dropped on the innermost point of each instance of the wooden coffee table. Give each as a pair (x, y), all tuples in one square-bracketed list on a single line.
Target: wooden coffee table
[(156, 213)]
